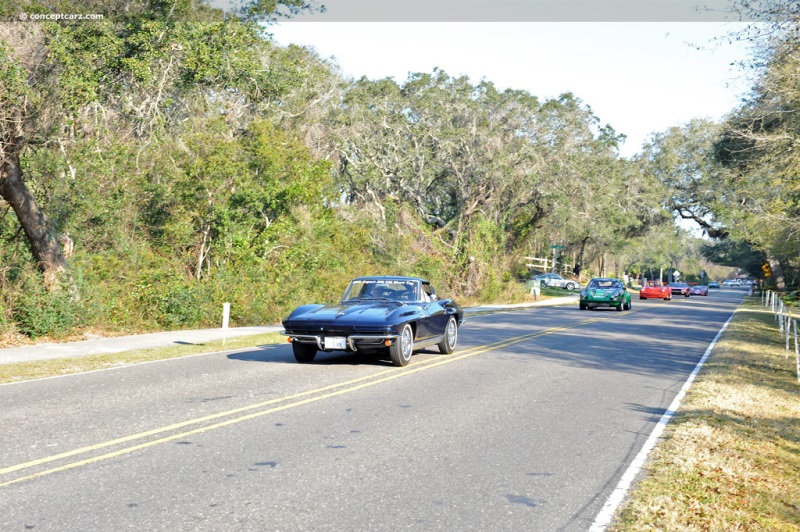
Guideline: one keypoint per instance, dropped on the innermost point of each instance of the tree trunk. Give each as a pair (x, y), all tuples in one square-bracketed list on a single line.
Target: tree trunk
[(777, 273), (579, 260), (39, 231)]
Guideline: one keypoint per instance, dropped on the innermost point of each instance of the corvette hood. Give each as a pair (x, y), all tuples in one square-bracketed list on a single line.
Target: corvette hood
[(346, 314)]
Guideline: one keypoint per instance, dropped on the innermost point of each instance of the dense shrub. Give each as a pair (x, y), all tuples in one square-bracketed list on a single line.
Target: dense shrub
[(38, 313)]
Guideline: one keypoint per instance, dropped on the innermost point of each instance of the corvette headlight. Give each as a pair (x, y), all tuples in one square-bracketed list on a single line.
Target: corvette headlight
[(583, 294)]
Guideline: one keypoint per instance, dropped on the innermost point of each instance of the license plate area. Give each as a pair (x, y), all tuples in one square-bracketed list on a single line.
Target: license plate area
[(335, 342)]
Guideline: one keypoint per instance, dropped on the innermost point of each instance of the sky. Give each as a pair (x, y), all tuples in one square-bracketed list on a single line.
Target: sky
[(638, 77)]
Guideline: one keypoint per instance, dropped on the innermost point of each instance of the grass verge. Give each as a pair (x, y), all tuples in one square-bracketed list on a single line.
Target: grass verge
[(730, 459), (24, 371)]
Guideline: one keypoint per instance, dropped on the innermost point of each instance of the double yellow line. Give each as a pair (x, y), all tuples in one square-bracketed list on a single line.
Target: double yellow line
[(238, 415)]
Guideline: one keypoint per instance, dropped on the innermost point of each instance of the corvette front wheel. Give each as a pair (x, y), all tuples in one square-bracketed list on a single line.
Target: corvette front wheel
[(448, 343), (400, 350)]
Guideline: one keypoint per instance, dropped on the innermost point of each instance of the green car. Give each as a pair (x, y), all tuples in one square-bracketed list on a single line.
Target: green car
[(605, 292)]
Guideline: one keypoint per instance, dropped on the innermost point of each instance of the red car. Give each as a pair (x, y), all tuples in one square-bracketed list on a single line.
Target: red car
[(699, 290), (681, 289), (655, 290)]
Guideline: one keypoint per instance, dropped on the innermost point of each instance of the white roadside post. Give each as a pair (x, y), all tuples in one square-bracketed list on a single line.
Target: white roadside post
[(796, 351), (536, 290), (226, 316)]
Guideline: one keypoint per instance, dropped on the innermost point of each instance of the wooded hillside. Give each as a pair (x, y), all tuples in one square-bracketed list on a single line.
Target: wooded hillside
[(170, 157)]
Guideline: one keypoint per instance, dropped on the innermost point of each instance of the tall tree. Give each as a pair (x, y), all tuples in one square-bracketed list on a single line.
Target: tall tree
[(136, 67), (758, 146)]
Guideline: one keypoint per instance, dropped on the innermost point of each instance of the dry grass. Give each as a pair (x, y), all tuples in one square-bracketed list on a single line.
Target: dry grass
[(49, 368), (731, 458)]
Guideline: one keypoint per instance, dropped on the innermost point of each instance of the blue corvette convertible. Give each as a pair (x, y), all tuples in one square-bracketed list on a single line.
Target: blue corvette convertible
[(397, 315)]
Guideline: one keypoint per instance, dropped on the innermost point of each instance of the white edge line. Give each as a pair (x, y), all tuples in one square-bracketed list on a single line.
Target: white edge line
[(603, 519)]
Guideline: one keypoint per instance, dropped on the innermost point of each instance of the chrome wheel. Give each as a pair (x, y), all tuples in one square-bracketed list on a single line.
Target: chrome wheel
[(448, 343), (400, 351)]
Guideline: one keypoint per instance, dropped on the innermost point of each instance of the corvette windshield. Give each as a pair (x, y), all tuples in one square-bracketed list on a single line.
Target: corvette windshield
[(389, 290)]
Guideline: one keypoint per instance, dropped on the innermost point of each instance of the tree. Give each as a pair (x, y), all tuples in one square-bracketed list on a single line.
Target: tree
[(682, 160), (757, 147), (21, 92), (61, 81)]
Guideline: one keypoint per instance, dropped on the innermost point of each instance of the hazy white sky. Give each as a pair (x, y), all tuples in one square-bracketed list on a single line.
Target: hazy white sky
[(639, 77)]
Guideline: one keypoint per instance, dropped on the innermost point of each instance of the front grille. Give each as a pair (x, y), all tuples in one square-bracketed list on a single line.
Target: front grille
[(337, 331), (340, 330), (369, 330), (316, 331)]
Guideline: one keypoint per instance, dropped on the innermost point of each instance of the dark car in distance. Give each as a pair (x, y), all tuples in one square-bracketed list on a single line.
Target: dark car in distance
[(377, 315), (680, 289)]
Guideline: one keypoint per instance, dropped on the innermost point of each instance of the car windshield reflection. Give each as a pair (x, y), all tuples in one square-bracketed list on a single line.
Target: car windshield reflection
[(387, 290), (605, 284)]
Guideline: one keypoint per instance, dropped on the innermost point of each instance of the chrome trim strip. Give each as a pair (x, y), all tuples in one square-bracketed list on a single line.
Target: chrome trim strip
[(374, 336), (351, 339)]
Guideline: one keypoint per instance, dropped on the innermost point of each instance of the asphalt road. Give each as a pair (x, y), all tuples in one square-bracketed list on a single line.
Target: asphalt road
[(528, 426)]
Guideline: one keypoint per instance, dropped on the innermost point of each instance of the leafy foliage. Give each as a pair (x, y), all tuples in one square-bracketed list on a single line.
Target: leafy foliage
[(184, 160)]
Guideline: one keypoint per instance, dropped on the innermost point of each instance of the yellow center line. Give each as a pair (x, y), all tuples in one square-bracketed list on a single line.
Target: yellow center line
[(319, 394)]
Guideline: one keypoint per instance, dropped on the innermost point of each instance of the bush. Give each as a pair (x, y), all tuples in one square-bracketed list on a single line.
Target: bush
[(38, 313)]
